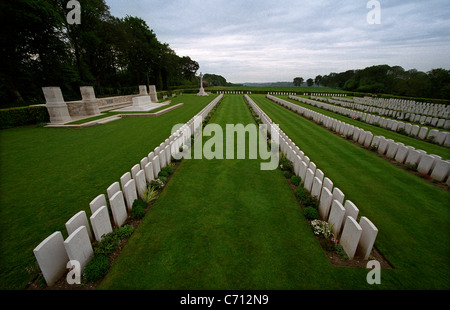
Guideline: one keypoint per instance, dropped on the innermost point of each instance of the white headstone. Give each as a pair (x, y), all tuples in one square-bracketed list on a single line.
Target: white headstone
[(368, 236), (325, 203), (441, 170), (118, 209), (168, 154), (319, 174), (316, 188), (149, 172), (141, 183), (101, 223), (423, 132), (143, 162), (162, 159), (392, 149), (130, 193), (425, 164), (338, 195), (336, 217), (351, 209), (78, 246), (309, 179), (401, 154), (135, 170), (156, 166), (52, 258), (112, 189), (328, 184), (302, 170), (125, 178), (97, 202), (350, 237), (79, 219), (413, 157)]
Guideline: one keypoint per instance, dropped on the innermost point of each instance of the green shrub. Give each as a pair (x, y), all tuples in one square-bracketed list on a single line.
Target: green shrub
[(157, 184), (296, 180), (288, 174), (110, 241), (138, 209), (301, 192), (340, 250), (306, 199), (149, 195), (96, 268), (20, 116), (163, 173), (311, 213), (285, 164), (168, 169)]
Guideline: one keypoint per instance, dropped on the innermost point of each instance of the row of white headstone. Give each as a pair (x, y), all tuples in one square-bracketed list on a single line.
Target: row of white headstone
[(326, 94), (411, 106), (54, 253), (429, 164), (233, 92), (355, 238), (421, 132), (439, 119), (281, 93)]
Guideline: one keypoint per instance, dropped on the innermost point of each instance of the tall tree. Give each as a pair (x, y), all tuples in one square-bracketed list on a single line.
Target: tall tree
[(298, 81)]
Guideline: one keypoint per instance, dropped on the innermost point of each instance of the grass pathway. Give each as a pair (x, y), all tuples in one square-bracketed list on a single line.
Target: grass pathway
[(412, 215), (49, 174), (225, 224)]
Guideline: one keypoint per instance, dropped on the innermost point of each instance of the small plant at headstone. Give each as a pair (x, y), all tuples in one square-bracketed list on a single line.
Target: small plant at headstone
[(402, 131), (96, 268), (296, 180), (311, 213), (288, 174), (374, 148), (110, 241), (411, 167), (340, 250), (138, 209), (157, 184), (163, 173), (285, 164), (306, 199), (168, 169)]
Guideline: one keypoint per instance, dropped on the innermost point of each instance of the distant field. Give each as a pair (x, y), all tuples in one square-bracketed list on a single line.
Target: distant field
[(278, 89)]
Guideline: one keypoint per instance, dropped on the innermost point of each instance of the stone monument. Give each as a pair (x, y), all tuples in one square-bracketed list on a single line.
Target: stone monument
[(56, 106), (201, 92), (89, 100)]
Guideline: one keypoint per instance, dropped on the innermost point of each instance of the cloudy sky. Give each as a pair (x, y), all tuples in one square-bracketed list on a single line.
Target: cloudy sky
[(269, 41)]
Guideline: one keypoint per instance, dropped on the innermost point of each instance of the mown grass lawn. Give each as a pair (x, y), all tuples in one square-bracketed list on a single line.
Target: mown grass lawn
[(411, 214), (417, 143), (49, 174), (225, 224)]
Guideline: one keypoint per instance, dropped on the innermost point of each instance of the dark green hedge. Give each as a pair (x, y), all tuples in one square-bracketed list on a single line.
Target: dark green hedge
[(14, 117)]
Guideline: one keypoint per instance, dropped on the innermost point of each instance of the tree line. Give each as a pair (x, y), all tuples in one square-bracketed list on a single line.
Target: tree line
[(39, 47), (384, 79)]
